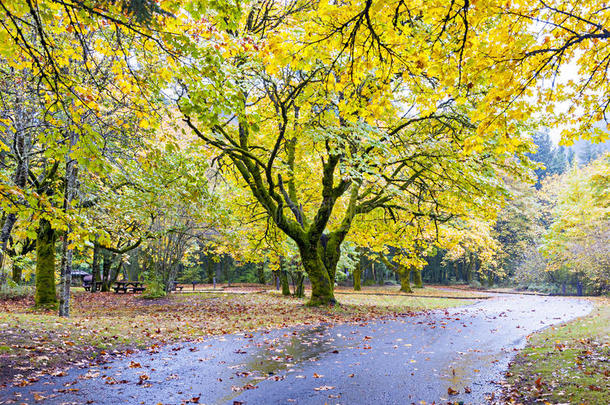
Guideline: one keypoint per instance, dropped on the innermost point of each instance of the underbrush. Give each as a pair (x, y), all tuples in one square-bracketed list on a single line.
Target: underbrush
[(12, 290)]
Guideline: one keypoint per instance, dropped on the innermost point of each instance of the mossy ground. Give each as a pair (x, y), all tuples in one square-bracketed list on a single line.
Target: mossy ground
[(566, 364)]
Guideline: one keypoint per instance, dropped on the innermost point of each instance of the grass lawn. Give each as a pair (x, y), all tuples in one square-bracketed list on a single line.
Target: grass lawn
[(107, 324), (566, 364), (427, 291)]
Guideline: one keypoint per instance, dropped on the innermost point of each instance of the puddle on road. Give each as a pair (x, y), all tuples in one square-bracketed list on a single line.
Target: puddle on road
[(283, 354)]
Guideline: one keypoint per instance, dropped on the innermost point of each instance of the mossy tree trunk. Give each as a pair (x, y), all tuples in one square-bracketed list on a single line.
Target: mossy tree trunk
[(405, 275), (17, 272), (45, 296), (358, 276), (284, 277), (299, 289), (322, 288), (209, 269), (318, 248), (404, 272), (417, 280), (106, 267), (469, 268), (260, 273)]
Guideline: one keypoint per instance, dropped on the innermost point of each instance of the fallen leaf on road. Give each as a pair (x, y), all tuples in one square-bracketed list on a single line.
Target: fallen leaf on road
[(324, 388)]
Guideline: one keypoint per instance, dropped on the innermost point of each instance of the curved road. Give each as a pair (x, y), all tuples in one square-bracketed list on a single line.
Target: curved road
[(400, 361)]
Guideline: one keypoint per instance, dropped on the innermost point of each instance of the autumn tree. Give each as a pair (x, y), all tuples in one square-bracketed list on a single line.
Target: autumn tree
[(320, 135), (578, 237)]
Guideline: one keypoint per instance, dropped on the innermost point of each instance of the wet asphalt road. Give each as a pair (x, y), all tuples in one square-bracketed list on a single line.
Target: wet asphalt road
[(398, 361)]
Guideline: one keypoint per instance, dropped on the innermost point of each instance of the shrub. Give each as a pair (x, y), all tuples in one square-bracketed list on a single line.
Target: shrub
[(12, 290), (155, 288)]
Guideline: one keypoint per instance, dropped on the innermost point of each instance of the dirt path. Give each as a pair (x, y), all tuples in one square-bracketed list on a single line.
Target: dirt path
[(417, 358)]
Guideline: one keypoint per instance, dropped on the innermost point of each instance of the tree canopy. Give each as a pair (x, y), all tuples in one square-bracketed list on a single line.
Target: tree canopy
[(399, 127)]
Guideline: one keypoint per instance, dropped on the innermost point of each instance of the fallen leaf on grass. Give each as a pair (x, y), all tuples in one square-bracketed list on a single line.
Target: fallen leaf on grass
[(245, 387)]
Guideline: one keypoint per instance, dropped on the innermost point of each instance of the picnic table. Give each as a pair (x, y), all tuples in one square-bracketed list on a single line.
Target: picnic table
[(177, 287), (128, 286)]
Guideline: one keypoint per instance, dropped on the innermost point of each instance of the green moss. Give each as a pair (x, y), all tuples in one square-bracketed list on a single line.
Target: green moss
[(357, 278), (567, 361), (405, 284), (45, 296), (417, 280)]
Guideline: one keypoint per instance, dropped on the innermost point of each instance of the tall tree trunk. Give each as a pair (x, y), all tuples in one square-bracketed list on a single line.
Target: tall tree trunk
[(106, 267), (21, 153), (322, 288), (299, 289), (405, 282), (17, 272), (209, 269), (468, 269), (45, 266), (5, 234), (284, 277), (357, 276), (417, 280), (402, 271), (66, 250), (260, 273), (66, 278), (95, 267)]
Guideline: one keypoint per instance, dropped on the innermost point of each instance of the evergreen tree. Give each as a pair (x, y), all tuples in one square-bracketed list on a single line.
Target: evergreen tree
[(544, 154), (589, 153), (560, 161)]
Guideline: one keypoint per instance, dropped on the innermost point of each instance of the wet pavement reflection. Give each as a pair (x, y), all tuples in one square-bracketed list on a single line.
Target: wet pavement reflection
[(443, 355)]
